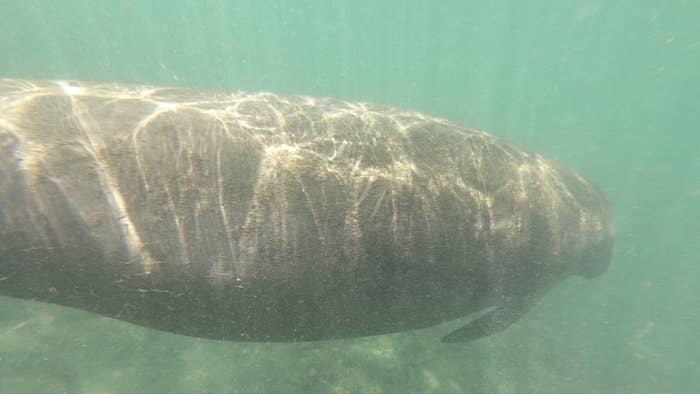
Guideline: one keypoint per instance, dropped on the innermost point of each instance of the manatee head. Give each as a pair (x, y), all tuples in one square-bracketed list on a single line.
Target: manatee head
[(596, 247), (596, 257)]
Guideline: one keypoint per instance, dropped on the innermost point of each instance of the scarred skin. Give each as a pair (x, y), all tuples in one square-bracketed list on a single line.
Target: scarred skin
[(264, 217)]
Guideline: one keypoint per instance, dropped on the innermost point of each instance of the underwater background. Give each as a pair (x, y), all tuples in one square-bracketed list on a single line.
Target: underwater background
[(611, 89)]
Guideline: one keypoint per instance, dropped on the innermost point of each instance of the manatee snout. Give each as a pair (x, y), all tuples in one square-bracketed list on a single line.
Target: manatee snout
[(596, 258)]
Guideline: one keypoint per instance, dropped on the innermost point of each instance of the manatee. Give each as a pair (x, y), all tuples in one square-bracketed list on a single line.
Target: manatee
[(265, 217)]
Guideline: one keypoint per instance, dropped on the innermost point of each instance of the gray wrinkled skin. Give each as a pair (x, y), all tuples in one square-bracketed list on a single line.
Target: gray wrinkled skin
[(262, 217)]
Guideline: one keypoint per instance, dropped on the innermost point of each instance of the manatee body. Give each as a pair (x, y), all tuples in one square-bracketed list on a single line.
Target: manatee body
[(264, 217)]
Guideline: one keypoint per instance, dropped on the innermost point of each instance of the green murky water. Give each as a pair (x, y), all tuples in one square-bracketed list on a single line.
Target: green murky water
[(611, 90)]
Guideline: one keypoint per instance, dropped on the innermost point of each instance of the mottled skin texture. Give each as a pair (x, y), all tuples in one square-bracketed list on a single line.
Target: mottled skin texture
[(255, 216)]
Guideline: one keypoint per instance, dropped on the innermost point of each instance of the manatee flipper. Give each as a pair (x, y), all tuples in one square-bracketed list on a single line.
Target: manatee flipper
[(498, 319), (492, 322)]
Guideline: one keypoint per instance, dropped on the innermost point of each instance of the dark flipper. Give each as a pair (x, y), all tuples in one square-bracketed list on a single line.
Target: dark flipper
[(491, 323), (512, 308)]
